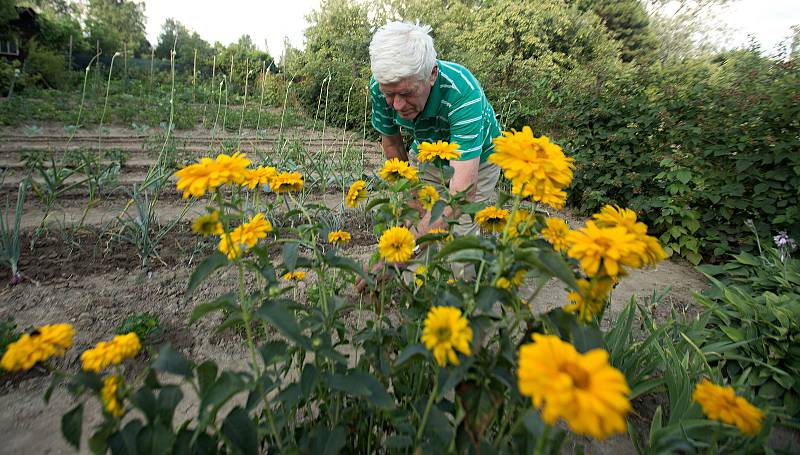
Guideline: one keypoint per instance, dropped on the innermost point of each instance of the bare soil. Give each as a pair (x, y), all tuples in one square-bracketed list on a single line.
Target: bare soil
[(94, 282)]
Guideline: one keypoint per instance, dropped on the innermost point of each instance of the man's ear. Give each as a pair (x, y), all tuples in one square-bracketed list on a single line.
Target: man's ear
[(434, 74)]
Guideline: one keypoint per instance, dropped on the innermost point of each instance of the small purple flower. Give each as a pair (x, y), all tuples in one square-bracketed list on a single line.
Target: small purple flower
[(782, 240), (785, 244)]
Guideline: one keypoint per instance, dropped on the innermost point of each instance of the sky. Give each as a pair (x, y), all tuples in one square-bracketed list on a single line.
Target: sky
[(769, 21)]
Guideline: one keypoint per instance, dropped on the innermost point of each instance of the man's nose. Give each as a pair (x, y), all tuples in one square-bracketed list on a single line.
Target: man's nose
[(399, 103)]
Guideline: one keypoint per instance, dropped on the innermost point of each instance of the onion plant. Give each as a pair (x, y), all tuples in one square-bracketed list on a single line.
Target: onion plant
[(9, 235)]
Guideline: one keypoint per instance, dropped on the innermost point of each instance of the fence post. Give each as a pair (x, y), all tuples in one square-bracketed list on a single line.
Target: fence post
[(194, 75), (230, 73), (125, 60)]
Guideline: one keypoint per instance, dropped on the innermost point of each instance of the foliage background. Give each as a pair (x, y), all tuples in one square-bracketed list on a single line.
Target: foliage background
[(696, 140)]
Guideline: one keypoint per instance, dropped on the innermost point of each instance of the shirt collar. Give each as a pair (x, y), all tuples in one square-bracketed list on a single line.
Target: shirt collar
[(434, 98)]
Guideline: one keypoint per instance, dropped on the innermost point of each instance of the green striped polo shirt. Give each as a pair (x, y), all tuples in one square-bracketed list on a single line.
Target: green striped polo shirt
[(456, 111)]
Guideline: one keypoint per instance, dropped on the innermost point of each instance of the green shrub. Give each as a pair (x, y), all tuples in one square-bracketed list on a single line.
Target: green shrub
[(46, 67), (8, 333), (755, 307), (145, 325)]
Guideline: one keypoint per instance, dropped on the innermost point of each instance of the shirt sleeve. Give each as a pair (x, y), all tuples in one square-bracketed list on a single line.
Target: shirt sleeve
[(467, 125), (382, 119)]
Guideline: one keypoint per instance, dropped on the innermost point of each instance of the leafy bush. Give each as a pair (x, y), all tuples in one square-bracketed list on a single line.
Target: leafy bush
[(755, 307), (144, 325), (46, 67), (9, 72), (8, 333)]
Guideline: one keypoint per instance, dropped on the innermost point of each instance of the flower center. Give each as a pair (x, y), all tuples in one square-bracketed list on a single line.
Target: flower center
[(580, 378), (443, 334)]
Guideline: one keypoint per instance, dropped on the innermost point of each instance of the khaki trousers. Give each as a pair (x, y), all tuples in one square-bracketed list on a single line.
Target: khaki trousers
[(488, 174)]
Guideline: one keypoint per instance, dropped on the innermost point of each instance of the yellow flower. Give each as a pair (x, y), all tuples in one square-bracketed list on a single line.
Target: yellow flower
[(208, 224), (419, 275), (286, 181), (208, 175), (721, 403), (583, 389), (611, 216), (516, 280), (262, 175), (519, 275), (109, 396), (339, 237), (492, 219), (439, 149), (396, 244), (394, 170), (521, 223), (45, 342), (556, 233), (257, 228), (591, 298), (536, 167), (446, 331), (112, 352), (451, 281), (297, 275), (246, 235), (356, 193), (428, 196), (603, 250)]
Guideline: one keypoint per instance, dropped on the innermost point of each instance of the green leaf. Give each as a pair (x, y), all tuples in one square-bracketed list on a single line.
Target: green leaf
[(733, 333), (549, 262), (277, 313), (487, 296), (585, 338), (324, 442), (290, 254), (472, 208), (206, 375), (375, 202), (398, 441), (168, 398), (225, 301), (227, 385), (124, 442), (240, 430), (459, 244), (155, 439), (408, 353), (437, 210), (204, 269), (145, 401), (273, 351), (362, 384), (71, 426), (171, 361), (347, 264), (683, 175), (308, 379)]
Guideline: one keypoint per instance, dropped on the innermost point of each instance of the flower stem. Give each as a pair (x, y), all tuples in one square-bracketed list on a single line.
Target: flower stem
[(424, 421)]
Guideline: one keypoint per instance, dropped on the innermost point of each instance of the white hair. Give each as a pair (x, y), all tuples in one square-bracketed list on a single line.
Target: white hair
[(399, 50)]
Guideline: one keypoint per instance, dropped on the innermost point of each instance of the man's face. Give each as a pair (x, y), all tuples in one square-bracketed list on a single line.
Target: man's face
[(408, 96)]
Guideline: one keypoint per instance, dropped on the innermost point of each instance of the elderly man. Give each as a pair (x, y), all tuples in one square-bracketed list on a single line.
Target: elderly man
[(432, 100)]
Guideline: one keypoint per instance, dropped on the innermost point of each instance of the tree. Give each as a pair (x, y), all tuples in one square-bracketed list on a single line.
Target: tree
[(8, 13), (115, 23), (186, 41), (628, 23), (687, 28)]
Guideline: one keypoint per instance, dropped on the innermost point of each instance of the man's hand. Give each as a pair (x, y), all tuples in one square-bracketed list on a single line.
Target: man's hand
[(393, 147)]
